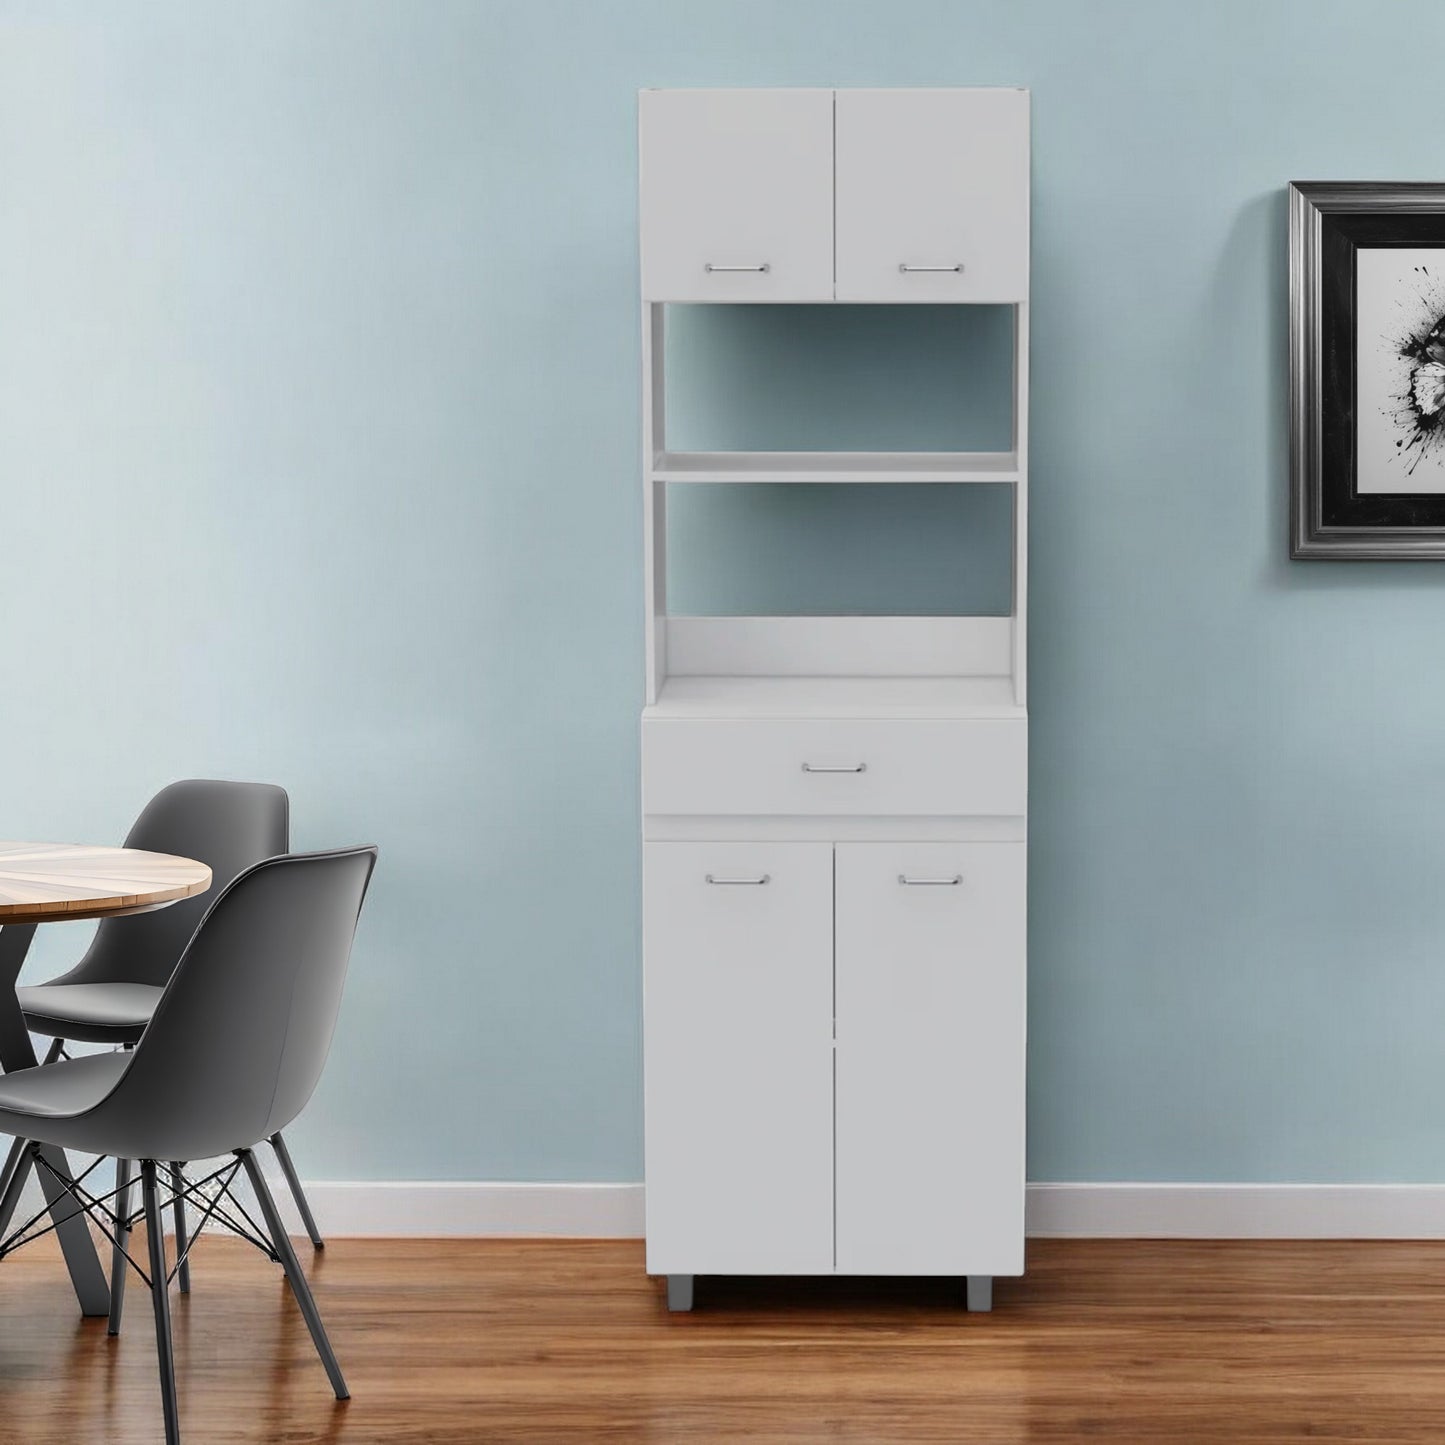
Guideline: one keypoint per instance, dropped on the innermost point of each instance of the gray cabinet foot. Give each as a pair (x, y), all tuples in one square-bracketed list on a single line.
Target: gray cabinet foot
[(679, 1291), (979, 1292)]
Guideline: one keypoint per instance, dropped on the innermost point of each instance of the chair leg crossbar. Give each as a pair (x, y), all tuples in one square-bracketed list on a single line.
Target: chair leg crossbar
[(87, 1203), (166, 1187), (179, 1191)]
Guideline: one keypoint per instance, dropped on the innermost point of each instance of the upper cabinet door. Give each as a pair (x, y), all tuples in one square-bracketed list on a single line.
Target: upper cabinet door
[(737, 195), (933, 195)]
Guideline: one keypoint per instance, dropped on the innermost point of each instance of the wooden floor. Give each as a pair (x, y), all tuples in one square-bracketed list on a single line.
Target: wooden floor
[(471, 1341)]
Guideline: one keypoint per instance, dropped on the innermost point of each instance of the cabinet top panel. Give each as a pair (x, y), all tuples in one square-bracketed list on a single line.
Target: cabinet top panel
[(827, 89)]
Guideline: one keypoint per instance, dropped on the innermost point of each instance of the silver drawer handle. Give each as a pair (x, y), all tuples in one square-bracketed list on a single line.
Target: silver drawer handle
[(839, 768), (908, 882), (738, 882), (763, 269), (906, 268)]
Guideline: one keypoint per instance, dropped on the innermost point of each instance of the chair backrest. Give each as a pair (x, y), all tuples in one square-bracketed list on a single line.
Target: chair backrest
[(239, 1038), (229, 826)]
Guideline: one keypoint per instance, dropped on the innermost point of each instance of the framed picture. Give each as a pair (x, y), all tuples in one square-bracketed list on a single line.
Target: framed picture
[(1367, 370)]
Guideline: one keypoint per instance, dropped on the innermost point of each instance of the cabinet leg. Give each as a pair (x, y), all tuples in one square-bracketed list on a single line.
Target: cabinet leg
[(979, 1292), (679, 1291)]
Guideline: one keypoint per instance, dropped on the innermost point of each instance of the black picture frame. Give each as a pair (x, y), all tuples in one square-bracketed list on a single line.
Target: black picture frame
[(1330, 519)]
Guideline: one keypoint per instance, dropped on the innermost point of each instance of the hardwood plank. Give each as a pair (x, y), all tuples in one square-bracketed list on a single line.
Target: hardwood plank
[(456, 1341)]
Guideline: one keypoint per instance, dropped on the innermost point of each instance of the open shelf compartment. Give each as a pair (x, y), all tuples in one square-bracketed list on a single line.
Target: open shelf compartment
[(835, 665), (725, 667)]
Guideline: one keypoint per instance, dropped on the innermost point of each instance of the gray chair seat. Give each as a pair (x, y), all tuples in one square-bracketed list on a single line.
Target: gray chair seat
[(60, 1092), (97, 1013)]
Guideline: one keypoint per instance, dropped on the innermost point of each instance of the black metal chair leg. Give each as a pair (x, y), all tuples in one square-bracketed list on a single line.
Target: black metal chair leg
[(122, 1237), (22, 1156), (183, 1268), (292, 1266), (18, 1164), (160, 1299), (124, 1176), (297, 1192)]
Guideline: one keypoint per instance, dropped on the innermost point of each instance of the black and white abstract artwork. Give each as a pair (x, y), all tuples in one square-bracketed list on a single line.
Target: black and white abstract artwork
[(1400, 369)]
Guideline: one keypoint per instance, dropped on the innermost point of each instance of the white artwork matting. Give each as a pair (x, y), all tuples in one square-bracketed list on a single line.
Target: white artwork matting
[(1400, 369)]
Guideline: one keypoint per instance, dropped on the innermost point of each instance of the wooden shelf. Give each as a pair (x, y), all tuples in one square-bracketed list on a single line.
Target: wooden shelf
[(835, 467), (836, 697)]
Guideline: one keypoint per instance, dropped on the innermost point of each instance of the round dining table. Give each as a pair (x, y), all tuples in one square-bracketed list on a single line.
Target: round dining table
[(56, 883)]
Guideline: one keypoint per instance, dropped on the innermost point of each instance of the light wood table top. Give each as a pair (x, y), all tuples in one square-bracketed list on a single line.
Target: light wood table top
[(51, 882)]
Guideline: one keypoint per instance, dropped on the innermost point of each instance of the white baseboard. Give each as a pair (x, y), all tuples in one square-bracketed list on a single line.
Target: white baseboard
[(1236, 1211), (362, 1210), (426, 1209), (1080, 1211), (1054, 1211)]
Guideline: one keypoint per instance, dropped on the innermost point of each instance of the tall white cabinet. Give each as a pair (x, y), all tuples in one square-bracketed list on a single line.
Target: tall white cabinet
[(834, 808)]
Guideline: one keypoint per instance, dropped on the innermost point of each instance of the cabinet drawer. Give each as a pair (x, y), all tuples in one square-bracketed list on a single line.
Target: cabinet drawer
[(933, 195), (836, 766), (736, 195)]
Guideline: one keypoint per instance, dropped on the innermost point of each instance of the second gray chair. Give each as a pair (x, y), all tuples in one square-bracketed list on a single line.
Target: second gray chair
[(109, 996)]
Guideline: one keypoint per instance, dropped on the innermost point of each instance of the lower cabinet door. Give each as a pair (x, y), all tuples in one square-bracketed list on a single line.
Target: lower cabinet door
[(738, 1057), (930, 1058)]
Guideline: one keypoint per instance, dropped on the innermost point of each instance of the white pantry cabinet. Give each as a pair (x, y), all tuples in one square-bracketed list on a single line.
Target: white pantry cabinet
[(834, 807)]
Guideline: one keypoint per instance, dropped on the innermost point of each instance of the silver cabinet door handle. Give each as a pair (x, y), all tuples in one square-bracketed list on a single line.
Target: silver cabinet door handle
[(906, 268), (908, 882), (762, 269), (738, 882), (838, 768)]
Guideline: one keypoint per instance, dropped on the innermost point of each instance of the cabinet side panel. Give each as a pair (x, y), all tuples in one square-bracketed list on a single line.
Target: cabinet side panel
[(654, 496), (930, 1091), (737, 986), (1021, 506)]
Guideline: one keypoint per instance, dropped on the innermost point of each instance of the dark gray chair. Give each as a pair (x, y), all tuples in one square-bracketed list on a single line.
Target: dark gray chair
[(234, 1049), (108, 997)]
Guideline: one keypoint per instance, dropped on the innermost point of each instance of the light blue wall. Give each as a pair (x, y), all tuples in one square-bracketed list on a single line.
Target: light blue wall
[(318, 461)]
